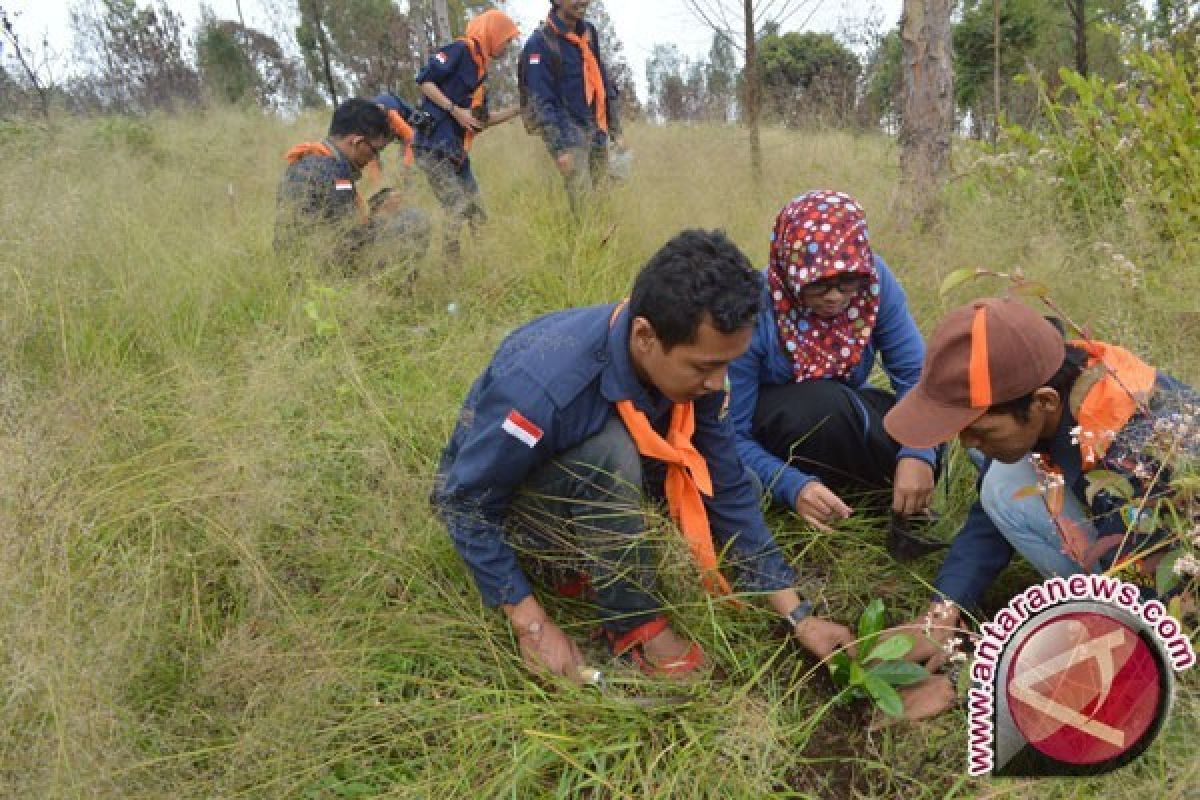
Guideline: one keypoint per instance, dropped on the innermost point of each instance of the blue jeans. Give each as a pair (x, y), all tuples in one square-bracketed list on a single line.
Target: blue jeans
[(1026, 523)]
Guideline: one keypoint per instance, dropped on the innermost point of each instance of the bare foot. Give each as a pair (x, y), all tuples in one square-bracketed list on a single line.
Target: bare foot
[(927, 699)]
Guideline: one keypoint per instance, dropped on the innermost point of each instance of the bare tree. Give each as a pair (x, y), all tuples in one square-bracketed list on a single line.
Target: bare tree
[(928, 119), (1077, 9), (26, 60), (740, 21), (441, 20)]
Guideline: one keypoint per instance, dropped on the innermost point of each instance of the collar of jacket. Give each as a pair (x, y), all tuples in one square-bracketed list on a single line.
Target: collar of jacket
[(340, 156)]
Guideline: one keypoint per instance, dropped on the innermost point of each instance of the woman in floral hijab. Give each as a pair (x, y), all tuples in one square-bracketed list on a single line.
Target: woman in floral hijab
[(808, 422)]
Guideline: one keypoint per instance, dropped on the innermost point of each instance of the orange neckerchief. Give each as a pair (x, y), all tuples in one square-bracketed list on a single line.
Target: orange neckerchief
[(1116, 383), (593, 78), (486, 33), (305, 149), (687, 479), (477, 97), (404, 132)]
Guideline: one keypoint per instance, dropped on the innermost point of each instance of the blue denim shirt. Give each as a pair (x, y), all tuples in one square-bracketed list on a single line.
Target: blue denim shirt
[(452, 70), (563, 372), (559, 101), (765, 363)]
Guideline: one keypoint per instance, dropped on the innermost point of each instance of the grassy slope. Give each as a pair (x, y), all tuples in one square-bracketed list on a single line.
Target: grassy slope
[(219, 573)]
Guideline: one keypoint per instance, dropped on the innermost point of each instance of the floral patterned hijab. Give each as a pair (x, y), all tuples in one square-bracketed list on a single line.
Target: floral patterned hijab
[(819, 235)]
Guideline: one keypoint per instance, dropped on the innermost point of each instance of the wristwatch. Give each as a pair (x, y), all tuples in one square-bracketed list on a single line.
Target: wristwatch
[(799, 613)]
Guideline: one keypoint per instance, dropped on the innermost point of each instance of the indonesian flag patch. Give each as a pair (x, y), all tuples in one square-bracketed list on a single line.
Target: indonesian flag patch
[(343, 185), (517, 426), (440, 56), (535, 58)]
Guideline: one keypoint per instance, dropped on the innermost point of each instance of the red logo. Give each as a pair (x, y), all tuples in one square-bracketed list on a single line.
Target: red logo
[(1084, 688)]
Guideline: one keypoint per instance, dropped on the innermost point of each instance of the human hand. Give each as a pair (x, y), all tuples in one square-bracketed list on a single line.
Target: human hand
[(544, 646), (822, 637), (926, 699), (817, 505), (466, 119), (929, 633), (912, 486), (618, 141), (565, 162)]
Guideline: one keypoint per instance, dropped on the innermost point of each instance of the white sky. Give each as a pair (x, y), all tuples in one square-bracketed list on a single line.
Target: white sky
[(640, 23)]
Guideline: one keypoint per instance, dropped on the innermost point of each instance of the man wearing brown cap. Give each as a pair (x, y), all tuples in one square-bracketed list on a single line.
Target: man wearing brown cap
[(1043, 413)]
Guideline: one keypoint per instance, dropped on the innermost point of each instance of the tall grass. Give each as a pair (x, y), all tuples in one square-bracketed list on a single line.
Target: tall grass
[(219, 573)]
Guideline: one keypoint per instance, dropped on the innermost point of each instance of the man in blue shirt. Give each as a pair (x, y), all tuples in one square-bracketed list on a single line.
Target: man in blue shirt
[(579, 415), (572, 98), (320, 210)]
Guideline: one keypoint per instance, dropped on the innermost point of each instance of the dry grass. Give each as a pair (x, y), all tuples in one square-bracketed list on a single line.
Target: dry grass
[(219, 573)]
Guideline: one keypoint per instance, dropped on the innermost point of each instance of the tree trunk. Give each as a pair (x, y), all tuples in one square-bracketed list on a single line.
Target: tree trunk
[(1078, 10), (928, 121), (753, 92), (995, 73), (441, 22), (323, 46)]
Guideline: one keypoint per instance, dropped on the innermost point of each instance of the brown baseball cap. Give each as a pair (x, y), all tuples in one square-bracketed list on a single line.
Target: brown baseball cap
[(987, 352)]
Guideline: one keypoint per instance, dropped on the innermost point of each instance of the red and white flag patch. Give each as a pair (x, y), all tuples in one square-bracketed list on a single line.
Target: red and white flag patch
[(519, 427), (343, 185), (441, 57), (535, 58)]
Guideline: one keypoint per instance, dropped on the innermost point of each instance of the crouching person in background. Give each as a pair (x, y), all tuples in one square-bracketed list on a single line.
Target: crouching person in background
[(320, 211), (583, 413)]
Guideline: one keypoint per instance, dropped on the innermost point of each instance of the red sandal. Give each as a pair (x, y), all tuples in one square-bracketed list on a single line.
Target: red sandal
[(629, 646)]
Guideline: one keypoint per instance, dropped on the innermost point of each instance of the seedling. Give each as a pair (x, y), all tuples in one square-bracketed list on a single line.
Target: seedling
[(875, 675)]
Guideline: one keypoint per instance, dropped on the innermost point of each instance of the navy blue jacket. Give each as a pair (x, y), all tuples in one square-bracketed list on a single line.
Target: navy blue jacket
[(318, 194), (980, 552), (452, 70), (558, 99), (563, 372), (765, 363)]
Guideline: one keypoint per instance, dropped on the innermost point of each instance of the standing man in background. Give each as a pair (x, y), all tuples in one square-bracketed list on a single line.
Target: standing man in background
[(567, 97), (455, 97)]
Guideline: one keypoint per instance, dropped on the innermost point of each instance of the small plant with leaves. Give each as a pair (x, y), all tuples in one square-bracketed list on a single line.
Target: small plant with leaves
[(875, 674)]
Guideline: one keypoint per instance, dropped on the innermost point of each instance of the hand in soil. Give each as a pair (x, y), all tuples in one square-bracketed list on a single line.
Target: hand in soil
[(927, 699)]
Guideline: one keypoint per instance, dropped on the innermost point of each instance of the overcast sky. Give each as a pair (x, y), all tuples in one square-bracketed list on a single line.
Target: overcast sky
[(640, 23)]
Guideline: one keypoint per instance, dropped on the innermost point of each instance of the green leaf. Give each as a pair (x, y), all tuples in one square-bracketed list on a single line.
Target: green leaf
[(959, 277), (890, 649), (1103, 480), (1165, 578), (898, 673), (870, 624), (858, 675), (839, 669), (887, 698)]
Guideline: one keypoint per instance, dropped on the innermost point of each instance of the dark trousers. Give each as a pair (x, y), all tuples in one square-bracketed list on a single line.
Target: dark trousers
[(581, 514), (828, 429), (454, 185)]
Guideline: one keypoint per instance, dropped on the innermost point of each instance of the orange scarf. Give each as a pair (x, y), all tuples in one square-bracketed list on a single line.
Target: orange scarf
[(486, 34), (1122, 383), (687, 478), (593, 78), (305, 149)]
